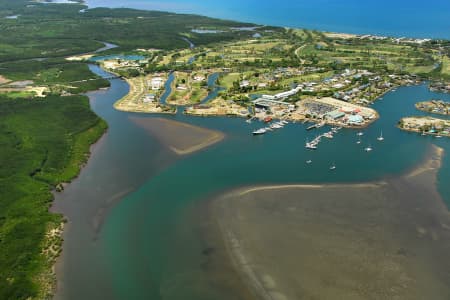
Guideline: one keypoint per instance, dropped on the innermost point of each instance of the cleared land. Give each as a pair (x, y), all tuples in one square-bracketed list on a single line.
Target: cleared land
[(188, 89), (426, 125), (135, 100)]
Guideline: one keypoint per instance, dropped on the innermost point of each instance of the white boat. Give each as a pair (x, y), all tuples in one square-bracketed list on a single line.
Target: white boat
[(333, 167), (284, 122), (328, 135), (381, 138), (311, 146), (309, 161), (360, 133), (358, 141), (368, 148), (259, 131), (438, 136), (249, 121), (275, 126)]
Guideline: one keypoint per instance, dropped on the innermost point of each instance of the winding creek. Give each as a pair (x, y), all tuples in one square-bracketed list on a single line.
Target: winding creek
[(129, 234)]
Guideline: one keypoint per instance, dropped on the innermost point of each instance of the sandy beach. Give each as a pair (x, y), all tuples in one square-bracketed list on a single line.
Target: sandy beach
[(181, 138), (381, 240)]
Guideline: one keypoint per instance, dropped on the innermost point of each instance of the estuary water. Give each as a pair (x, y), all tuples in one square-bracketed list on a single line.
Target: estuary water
[(127, 236), (413, 18)]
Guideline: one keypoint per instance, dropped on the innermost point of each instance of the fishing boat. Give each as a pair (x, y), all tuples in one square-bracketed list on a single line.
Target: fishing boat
[(259, 131), (333, 167), (381, 138)]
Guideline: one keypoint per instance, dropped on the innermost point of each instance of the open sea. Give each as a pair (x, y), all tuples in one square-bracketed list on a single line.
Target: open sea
[(410, 18)]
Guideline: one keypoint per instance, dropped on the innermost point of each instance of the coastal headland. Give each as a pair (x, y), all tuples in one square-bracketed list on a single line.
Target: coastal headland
[(380, 240)]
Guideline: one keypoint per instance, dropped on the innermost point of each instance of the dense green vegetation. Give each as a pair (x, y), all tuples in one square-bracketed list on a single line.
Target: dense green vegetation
[(42, 143), (61, 30)]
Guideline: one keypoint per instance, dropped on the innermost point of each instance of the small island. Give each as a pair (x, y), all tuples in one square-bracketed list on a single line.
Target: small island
[(426, 126), (434, 106)]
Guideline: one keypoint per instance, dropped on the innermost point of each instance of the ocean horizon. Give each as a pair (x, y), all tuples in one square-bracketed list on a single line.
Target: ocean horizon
[(417, 19)]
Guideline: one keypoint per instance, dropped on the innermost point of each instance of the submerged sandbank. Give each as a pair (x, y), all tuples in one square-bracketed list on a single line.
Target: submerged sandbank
[(386, 240), (181, 138)]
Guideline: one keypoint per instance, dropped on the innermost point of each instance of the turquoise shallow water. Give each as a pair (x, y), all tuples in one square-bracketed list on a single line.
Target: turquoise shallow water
[(140, 233), (128, 206), (412, 18)]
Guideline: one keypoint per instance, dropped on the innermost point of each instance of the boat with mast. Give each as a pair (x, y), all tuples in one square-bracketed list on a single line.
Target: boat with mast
[(381, 138)]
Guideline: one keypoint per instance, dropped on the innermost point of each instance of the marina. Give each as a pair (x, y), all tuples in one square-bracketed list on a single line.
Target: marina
[(131, 227)]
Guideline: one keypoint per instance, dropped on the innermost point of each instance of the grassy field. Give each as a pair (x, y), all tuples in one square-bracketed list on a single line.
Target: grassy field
[(446, 66)]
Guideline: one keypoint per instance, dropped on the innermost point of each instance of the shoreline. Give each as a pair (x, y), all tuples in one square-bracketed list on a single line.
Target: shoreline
[(424, 124), (251, 268), (256, 23)]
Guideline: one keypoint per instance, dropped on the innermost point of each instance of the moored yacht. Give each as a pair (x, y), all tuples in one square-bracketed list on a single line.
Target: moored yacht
[(259, 131), (381, 138)]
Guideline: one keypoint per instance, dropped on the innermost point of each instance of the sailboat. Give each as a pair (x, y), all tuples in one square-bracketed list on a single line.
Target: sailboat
[(368, 148), (360, 133), (381, 138), (333, 167), (358, 141)]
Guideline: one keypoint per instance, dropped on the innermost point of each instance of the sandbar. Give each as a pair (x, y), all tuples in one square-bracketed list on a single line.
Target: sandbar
[(380, 240), (181, 138)]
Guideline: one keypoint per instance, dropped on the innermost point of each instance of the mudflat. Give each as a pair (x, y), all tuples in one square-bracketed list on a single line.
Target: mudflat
[(382, 240), (181, 138)]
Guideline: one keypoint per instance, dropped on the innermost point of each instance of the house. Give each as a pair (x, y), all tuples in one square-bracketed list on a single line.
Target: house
[(156, 83), (244, 83), (149, 98)]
